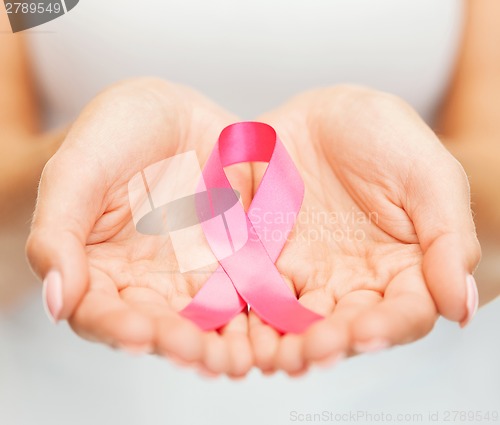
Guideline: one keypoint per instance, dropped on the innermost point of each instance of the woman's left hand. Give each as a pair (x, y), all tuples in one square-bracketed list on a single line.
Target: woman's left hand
[(385, 240)]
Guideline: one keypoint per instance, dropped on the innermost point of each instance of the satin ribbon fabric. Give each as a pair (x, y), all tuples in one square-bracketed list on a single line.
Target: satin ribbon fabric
[(249, 276)]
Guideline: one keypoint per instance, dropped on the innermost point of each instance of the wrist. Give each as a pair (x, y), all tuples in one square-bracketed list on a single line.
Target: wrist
[(20, 169)]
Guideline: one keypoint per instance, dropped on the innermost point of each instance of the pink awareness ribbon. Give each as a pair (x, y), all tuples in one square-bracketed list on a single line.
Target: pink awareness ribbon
[(249, 276)]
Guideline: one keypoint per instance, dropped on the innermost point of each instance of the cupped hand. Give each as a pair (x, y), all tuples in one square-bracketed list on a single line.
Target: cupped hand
[(385, 240), (113, 284)]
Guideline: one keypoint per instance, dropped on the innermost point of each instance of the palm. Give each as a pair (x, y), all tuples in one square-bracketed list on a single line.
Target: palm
[(377, 215), (353, 255), (136, 288)]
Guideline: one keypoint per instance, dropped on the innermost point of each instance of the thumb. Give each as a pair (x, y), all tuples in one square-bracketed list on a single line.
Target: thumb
[(438, 203), (67, 208)]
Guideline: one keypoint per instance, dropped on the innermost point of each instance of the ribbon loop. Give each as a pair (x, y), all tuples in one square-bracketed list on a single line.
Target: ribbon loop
[(249, 276)]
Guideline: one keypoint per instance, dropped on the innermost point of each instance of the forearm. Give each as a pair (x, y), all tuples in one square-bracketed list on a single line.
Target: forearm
[(469, 124), (480, 159), (472, 108), (21, 164)]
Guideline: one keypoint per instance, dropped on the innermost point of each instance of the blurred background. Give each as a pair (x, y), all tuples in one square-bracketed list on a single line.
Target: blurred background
[(251, 57)]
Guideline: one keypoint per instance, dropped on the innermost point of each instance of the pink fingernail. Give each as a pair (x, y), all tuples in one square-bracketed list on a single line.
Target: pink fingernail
[(330, 361), (472, 300), (371, 346), (52, 295)]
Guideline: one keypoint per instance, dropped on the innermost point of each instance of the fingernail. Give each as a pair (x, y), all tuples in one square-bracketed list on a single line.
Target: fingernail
[(136, 349), (371, 346), (330, 361), (52, 295), (472, 300)]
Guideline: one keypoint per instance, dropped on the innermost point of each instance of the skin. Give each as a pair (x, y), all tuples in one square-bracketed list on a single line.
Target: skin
[(113, 291), (21, 143), (129, 313), (388, 285), (114, 294), (469, 124)]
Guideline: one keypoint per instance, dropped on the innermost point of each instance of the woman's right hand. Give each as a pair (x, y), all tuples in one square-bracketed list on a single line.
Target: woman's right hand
[(99, 273)]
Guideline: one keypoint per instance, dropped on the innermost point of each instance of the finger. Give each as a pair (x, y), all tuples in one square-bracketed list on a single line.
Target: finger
[(175, 337), (406, 314), (103, 316), (327, 341), (265, 341), (206, 373), (319, 300), (289, 355), (215, 353), (290, 352), (179, 337), (68, 204), (235, 333), (438, 203)]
